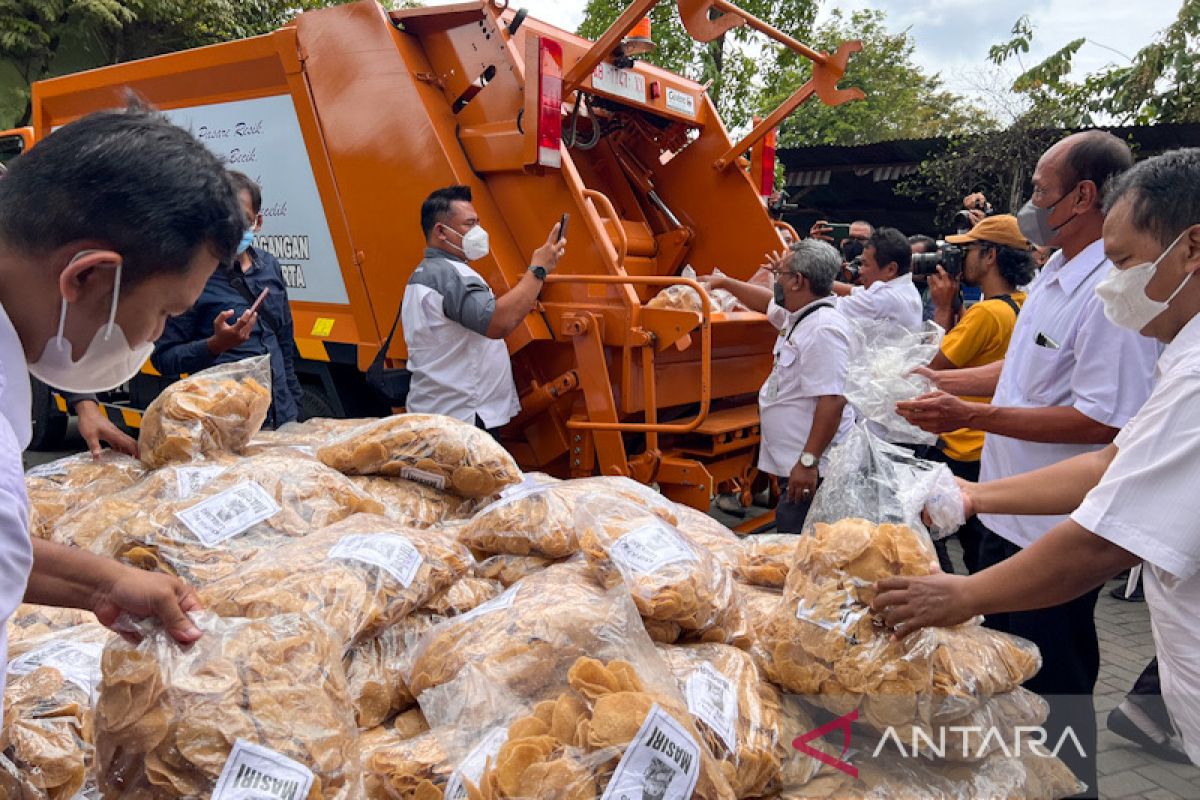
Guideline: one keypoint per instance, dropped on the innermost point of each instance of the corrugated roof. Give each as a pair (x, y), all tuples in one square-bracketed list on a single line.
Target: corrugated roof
[(1147, 138)]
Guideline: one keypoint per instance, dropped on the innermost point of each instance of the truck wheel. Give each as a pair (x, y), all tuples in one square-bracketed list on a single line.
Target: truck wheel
[(313, 403), (49, 424)]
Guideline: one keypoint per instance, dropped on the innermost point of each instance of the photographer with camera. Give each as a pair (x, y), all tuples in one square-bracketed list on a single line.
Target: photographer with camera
[(886, 290), (995, 257), (920, 243)]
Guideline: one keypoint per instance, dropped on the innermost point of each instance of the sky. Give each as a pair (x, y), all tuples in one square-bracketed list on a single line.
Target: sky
[(953, 36)]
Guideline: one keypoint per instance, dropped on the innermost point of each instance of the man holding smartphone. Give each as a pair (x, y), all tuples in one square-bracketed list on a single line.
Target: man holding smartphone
[(242, 312), (455, 325)]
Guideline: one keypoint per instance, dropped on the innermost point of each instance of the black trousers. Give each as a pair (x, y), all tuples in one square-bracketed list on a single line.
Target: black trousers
[(970, 535), (495, 432), (1147, 693), (1066, 635), (789, 516)]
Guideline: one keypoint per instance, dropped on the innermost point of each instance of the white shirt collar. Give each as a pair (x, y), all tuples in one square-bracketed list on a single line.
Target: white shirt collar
[(895, 283), (1074, 272), (1185, 342), (827, 300), (14, 382)]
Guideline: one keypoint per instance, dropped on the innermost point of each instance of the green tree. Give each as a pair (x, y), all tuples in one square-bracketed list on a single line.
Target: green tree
[(902, 101), (35, 34), (998, 163), (732, 63), (1161, 83)]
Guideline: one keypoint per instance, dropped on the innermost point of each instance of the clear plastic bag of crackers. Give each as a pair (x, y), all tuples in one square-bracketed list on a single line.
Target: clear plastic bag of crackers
[(252, 703), (217, 410)]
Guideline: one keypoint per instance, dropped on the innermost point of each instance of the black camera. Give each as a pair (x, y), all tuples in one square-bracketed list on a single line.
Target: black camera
[(948, 256), (852, 269)]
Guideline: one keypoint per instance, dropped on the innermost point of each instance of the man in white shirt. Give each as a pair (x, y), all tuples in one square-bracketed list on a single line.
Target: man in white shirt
[(107, 227), (1135, 500), (886, 290), (1068, 383), (801, 405), (454, 325)]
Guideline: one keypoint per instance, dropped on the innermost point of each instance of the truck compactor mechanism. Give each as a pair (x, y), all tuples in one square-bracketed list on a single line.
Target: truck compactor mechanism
[(349, 116)]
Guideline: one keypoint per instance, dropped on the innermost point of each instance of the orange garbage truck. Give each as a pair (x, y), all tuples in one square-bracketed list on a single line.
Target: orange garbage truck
[(349, 116)]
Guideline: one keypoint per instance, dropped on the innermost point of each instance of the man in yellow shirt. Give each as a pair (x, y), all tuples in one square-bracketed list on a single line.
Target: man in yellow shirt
[(998, 259)]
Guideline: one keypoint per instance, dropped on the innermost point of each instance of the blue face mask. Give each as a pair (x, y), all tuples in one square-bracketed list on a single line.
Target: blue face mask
[(247, 240)]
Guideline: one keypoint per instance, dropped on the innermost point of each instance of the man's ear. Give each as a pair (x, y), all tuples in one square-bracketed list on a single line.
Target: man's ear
[(1088, 195), (85, 267), (891, 271), (1191, 249)]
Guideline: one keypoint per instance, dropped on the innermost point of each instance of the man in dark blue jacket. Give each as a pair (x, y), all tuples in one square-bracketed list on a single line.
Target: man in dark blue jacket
[(220, 328)]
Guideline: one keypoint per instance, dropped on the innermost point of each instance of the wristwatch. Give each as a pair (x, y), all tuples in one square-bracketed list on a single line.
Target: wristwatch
[(808, 460), (538, 272)]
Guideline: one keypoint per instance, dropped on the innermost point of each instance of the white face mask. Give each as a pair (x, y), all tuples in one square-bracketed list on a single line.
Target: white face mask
[(108, 362), (1123, 293), (475, 244)]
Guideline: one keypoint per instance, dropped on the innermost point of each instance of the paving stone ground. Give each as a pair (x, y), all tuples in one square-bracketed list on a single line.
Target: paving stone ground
[(1126, 647)]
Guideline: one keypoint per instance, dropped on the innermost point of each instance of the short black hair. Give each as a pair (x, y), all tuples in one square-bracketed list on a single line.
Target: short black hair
[(1165, 192), (891, 245), (129, 178), (1095, 156), (1015, 264), (437, 205), (243, 183), (928, 243)]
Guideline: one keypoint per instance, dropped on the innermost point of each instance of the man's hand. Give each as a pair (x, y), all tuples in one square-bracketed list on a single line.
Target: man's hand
[(975, 201), (925, 372), (937, 412), (225, 336), (943, 289), (968, 489), (821, 230), (547, 255), (710, 282), (148, 594), (774, 261), (908, 604), (802, 483), (95, 428)]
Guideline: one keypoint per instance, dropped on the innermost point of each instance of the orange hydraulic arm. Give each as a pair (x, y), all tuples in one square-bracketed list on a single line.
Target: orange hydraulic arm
[(704, 26)]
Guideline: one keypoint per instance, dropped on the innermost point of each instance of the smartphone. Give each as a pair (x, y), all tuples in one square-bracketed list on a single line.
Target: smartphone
[(562, 226), (258, 302), (839, 231)]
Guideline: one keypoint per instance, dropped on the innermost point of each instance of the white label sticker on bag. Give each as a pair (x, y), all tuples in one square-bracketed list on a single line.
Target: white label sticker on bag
[(662, 762), (78, 662), (650, 548), (471, 767), (190, 480), (388, 551), (849, 613), (49, 470), (713, 699), (503, 602), (253, 772), (528, 486), (227, 514), (421, 476)]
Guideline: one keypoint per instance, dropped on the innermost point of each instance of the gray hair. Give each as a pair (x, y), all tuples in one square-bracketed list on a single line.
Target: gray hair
[(1164, 191), (818, 261)]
